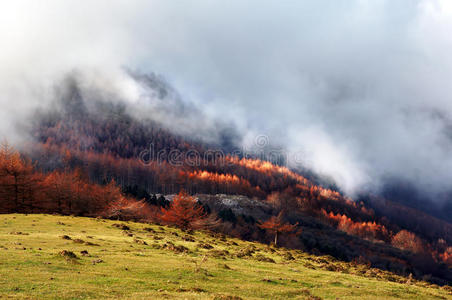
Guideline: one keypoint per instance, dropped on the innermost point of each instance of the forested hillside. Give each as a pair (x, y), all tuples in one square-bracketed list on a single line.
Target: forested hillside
[(99, 159)]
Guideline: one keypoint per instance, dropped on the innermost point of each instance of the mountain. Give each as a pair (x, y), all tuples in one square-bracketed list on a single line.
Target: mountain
[(101, 142)]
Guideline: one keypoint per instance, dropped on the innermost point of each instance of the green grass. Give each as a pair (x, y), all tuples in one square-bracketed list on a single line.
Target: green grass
[(32, 268)]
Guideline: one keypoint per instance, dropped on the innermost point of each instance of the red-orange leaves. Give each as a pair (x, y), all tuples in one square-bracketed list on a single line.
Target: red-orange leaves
[(183, 212), (276, 225)]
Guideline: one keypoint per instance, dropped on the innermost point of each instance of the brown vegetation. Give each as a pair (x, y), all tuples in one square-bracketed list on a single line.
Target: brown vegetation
[(277, 226), (183, 212)]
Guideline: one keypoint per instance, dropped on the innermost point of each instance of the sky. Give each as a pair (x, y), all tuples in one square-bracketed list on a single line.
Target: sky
[(356, 90)]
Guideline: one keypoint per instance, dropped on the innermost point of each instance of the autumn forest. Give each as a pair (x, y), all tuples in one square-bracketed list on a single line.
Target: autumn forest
[(85, 161)]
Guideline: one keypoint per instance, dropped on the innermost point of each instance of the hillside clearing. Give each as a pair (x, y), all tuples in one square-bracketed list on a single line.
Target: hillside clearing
[(58, 257)]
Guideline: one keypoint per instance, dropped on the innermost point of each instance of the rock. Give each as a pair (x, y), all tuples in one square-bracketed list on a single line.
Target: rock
[(97, 261)]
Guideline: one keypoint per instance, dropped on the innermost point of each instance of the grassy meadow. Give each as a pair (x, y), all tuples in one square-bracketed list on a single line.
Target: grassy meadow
[(60, 257)]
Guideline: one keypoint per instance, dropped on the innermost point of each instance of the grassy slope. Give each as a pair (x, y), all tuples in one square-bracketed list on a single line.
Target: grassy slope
[(30, 266)]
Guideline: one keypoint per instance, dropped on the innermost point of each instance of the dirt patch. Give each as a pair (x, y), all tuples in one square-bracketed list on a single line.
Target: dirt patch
[(19, 233), (175, 248), (226, 297), (205, 246), (121, 226), (306, 292), (288, 256), (195, 289), (218, 236), (187, 238), (91, 244), (138, 241), (97, 261), (69, 256), (218, 253), (248, 251), (260, 257), (127, 233)]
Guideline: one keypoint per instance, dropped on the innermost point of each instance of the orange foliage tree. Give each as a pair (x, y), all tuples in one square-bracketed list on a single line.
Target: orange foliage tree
[(123, 208), (276, 225), (183, 212), (446, 256), (365, 230), (406, 240), (68, 192), (17, 180)]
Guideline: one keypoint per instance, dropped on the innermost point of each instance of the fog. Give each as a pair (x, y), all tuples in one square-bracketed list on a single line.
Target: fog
[(358, 91)]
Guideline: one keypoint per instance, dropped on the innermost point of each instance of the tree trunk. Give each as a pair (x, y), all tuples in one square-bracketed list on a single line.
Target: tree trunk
[(276, 238)]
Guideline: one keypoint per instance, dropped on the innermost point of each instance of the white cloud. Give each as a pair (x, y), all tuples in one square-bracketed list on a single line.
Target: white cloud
[(372, 77)]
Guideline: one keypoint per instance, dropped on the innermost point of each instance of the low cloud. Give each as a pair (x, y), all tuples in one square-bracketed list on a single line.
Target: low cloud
[(362, 88)]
